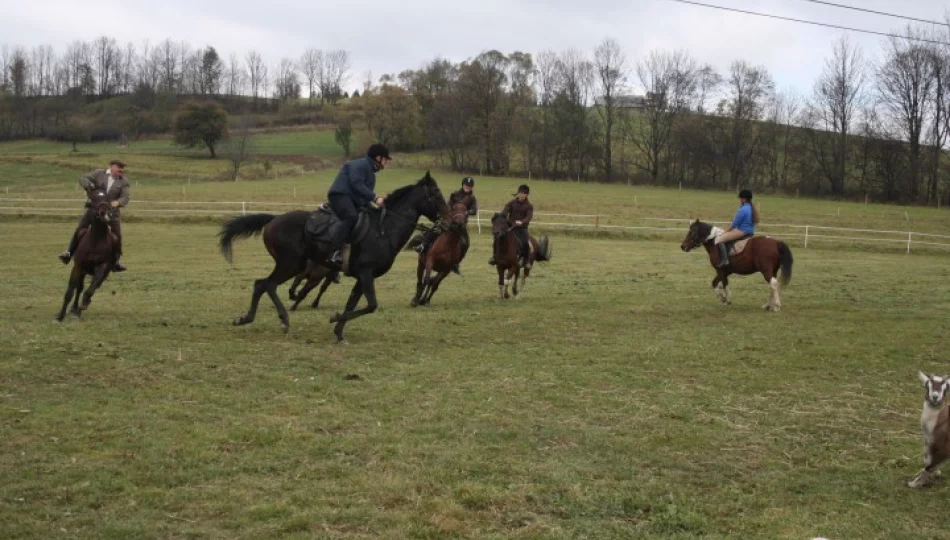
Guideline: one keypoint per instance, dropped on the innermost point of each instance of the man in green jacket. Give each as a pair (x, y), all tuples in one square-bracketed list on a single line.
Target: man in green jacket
[(116, 186)]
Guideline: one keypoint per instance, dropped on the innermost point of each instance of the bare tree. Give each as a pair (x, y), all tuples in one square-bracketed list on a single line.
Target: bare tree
[(235, 76), (168, 53), (367, 82), (708, 82), (905, 85), (749, 90), (337, 69), (611, 65), (310, 64), (287, 84), (255, 72), (5, 55), (106, 64), (838, 96), (669, 81), (210, 72)]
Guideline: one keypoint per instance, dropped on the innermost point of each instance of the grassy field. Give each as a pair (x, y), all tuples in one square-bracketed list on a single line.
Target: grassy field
[(617, 400)]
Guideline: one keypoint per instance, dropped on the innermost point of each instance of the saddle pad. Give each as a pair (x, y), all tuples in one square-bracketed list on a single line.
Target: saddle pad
[(739, 246)]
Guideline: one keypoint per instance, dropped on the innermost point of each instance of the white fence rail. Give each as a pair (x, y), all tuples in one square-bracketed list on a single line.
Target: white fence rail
[(591, 222)]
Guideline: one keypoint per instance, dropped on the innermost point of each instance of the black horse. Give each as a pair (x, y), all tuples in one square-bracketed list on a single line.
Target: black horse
[(370, 257)]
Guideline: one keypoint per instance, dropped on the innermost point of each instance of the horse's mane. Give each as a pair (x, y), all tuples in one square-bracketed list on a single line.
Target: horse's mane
[(396, 197), (704, 229)]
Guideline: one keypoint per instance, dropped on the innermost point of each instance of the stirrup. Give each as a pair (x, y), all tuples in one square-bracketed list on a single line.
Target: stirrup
[(65, 257)]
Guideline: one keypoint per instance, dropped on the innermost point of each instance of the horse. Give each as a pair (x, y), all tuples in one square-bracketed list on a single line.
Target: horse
[(315, 274), (447, 250), (761, 254), (370, 257), (95, 256), (507, 256)]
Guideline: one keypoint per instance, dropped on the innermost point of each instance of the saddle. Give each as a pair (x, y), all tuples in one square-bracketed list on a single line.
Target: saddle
[(323, 225), (738, 246)]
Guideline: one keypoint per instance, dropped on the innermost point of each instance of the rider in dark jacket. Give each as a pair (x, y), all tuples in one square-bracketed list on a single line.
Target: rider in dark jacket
[(464, 195), (353, 189), (519, 211)]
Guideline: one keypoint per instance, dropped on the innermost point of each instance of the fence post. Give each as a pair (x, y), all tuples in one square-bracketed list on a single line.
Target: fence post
[(806, 236), (243, 208), (909, 235), (478, 220), (596, 222)]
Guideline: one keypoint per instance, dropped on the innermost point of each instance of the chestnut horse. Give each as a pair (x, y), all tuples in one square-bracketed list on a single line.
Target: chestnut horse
[(447, 250), (761, 254), (507, 256), (94, 256)]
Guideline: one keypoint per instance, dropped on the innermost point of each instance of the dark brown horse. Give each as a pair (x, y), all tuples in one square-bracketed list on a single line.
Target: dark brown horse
[(315, 275), (761, 254), (370, 257), (447, 250), (507, 259), (94, 256)]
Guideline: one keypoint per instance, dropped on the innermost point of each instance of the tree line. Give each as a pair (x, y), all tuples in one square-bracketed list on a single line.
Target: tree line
[(865, 129)]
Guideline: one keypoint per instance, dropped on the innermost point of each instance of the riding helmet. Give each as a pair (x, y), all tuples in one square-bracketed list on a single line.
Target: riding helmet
[(523, 188), (468, 181), (745, 194), (378, 150)]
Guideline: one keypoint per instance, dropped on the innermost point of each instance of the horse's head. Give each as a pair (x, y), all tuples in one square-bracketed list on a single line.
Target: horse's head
[(99, 205), (459, 215), (500, 225), (433, 205), (696, 236)]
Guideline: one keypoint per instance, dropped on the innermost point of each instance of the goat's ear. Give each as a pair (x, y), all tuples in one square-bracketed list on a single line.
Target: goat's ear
[(923, 378)]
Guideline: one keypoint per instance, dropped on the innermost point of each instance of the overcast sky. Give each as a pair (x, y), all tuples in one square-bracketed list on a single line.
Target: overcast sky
[(399, 34)]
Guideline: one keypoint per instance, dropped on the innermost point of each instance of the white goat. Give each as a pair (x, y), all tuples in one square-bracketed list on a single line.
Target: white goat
[(935, 423)]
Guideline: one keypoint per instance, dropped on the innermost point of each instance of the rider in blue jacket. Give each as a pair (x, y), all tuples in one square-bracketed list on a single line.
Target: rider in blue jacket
[(743, 225), (353, 189)]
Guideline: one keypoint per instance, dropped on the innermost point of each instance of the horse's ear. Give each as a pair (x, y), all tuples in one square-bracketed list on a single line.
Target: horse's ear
[(696, 222), (427, 176)]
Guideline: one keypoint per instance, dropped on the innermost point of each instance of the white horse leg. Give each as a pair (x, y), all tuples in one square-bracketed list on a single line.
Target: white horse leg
[(721, 294), (776, 299)]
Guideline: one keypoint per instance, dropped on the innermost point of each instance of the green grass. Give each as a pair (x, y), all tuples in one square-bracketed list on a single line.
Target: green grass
[(617, 400), (309, 142)]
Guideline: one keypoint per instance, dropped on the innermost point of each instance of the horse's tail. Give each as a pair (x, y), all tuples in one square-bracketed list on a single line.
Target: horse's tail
[(241, 227), (785, 262), (544, 249)]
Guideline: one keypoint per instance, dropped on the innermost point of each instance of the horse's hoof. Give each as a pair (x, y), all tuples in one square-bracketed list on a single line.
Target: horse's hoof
[(285, 328), (767, 307), (293, 308), (58, 319), (340, 340), (240, 321), (335, 318), (414, 302)]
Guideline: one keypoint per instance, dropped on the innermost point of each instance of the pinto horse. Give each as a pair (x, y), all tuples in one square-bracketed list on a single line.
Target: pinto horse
[(761, 254), (447, 250), (507, 256), (370, 257), (94, 256), (315, 274)]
